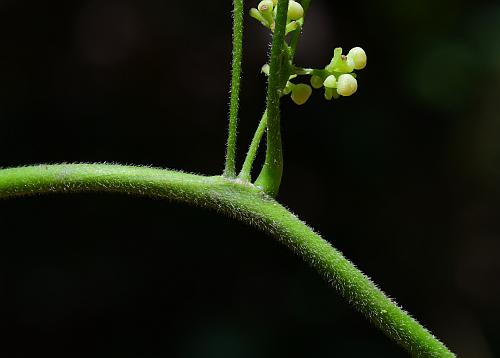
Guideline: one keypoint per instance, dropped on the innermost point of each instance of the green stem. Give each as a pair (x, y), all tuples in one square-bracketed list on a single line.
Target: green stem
[(246, 203), (270, 176), (296, 34), (230, 167), (246, 171)]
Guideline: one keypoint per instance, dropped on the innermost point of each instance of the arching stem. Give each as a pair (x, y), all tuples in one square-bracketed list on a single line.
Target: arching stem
[(247, 204)]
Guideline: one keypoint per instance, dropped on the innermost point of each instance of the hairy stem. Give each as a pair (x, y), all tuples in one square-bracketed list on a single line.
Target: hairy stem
[(246, 171), (243, 202), (270, 175), (230, 167)]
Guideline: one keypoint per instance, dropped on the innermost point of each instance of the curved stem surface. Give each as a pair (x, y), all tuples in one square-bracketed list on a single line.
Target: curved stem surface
[(246, 203)]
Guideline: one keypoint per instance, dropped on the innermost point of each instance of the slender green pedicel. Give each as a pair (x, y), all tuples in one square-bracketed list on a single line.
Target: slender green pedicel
[(230, 165)]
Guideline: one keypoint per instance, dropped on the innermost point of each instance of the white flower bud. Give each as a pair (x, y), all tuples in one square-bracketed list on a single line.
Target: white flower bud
[(346, 85), (316, 81), (265, 6), (330, 82), (266, 10), (295, 10), (301, 93), (357, 58)]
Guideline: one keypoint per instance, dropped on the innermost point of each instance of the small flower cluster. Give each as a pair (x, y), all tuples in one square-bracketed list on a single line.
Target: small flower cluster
[(266, 14), (337, 78)]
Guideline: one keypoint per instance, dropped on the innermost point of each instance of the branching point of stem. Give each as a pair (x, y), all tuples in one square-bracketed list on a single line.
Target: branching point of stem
[(230, 166)]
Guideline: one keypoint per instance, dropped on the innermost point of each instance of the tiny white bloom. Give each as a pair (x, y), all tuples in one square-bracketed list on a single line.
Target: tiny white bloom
[(346, 85), (357, 58)]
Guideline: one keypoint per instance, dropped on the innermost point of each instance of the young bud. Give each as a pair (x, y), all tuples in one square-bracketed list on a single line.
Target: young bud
[(346, 85), (301, 93), (295, 10), (357, 57), (266, 9), (316, 81), (265, 6), (330, 82), (258, 16), (328, 93)]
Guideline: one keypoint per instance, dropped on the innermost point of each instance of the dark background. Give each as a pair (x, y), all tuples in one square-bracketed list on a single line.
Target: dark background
[(403, 177)]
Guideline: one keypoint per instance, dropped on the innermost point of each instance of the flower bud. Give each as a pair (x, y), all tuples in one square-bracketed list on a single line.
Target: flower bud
[(357, 57), (266, 9), (301, 93), (258, 16), (330, 82), (346, 85), (328, 93), (316, 81), (265, 6), (295, 10)]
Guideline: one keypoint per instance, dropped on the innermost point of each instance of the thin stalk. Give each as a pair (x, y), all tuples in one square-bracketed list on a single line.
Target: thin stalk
[(246, 171), (230, 167), (296, 34), (270, 176), (247, 204)]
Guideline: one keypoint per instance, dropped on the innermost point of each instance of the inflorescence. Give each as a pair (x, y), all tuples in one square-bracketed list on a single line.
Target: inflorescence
[(337, 78)]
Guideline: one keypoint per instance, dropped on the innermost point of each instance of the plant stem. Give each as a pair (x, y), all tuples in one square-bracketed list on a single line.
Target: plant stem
[(247, 204), (270, 176), (230, 167), (246, 171), (296, 34)]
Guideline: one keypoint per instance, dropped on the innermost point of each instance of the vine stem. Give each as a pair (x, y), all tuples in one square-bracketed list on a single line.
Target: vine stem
[(230, 166), (270, 176), (246, 171), (242, 201)]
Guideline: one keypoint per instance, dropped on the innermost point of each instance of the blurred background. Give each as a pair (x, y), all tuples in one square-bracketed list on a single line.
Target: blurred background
[(403, 178)]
